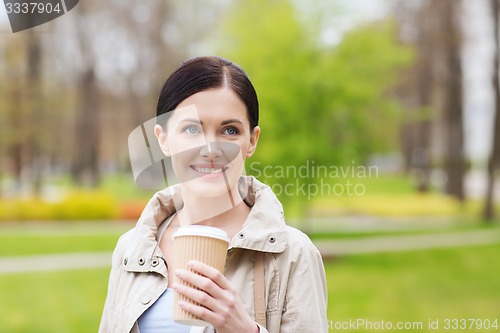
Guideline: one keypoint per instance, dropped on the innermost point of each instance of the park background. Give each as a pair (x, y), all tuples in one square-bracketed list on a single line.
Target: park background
[(394, 104)]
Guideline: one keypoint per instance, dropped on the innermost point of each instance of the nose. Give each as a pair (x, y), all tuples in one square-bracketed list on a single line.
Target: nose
[(211, 151)]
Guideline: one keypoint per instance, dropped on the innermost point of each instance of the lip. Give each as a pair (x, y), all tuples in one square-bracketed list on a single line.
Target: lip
[(209, 171)]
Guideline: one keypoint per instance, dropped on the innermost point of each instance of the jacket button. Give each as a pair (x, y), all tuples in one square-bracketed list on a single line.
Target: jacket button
[(145, 300), (155, 262), (241, 236), (272, 240), (141, 261), (125, 261)]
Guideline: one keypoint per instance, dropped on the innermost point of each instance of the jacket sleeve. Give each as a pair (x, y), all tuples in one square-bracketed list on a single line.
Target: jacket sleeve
[(306, 295)]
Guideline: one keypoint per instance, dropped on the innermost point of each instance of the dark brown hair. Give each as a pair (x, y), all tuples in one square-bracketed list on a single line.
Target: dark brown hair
[(202, 73)]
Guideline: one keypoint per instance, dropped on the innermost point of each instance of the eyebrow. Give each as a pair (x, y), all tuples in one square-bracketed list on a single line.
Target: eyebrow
[(191, 120), (229, 121), (224, 122)]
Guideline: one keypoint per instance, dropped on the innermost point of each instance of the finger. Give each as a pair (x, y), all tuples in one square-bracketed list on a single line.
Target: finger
[(199, 281), (198, 296), (200, 312), (210, 272)]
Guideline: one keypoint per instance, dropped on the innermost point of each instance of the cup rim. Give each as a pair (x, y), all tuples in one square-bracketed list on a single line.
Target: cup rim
[(202, 231)]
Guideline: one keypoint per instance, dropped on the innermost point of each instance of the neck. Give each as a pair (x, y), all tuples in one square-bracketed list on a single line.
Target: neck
[(227, 211)]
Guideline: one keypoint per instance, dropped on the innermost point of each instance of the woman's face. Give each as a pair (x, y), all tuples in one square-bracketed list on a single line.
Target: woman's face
[(208, 137)]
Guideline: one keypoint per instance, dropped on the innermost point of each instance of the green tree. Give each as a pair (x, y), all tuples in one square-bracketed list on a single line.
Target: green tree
[(319, 105), (364, 68)]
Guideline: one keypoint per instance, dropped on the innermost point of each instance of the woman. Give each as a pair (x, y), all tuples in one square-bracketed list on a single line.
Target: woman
[(274, 278)]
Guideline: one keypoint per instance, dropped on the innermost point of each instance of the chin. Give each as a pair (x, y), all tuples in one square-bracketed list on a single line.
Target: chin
[(209, 189)]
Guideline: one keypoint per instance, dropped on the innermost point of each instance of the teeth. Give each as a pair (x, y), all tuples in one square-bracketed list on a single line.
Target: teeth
[(208, 170)]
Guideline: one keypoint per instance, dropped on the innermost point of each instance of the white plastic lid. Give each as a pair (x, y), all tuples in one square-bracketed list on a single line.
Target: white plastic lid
[(201, 230)]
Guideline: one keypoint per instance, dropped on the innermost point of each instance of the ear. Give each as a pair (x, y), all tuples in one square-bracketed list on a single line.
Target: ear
[(162, 139), (254, 138)]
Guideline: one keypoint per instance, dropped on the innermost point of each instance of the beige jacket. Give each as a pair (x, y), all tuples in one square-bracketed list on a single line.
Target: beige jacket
[(295, 284)]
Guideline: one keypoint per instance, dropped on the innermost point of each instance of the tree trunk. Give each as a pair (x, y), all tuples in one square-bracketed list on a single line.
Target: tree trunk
[(87, 133), (417, 92), (15, 149), (489, 212), (85, 168), (35, 109), (424, 77), (453, 113)]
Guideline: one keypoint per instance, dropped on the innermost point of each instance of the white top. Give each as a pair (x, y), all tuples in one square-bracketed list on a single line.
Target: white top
[(158, 318)]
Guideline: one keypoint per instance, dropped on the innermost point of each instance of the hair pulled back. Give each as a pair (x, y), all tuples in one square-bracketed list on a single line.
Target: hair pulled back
[(202, 73)]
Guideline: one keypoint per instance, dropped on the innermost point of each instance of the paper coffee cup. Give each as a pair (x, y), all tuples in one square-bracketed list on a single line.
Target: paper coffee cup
[(202, 243)]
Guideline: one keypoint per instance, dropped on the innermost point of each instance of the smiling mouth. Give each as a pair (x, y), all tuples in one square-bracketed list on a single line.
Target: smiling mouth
[(209, 170)]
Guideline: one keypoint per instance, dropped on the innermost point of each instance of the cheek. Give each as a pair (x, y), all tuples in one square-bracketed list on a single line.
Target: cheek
[(244, 147), (179, 144), (238, 161), (182, 159)]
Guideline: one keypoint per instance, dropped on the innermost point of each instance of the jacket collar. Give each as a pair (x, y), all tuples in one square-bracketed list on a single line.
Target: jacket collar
[(264, 230)]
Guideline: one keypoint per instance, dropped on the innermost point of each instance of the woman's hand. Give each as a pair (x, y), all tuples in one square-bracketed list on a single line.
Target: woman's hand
[(221, 305)]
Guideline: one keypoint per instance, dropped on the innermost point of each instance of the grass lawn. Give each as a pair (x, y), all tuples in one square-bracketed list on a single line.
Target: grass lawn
[(406, 286), (34, 245), (91, 237), (18, 239), (52, 302), (341, 234), (416, 286)]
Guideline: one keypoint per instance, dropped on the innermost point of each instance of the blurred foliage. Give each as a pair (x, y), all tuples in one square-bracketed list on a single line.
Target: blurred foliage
[(364, 68), (412, 204), (119, 198), (78, 205), (317, 102)]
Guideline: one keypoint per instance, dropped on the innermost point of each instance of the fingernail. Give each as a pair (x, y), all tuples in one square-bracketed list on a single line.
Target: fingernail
[(191, 263), (175, 286), (178, 273)]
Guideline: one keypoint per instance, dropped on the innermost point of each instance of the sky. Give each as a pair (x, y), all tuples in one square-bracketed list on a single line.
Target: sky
[(477, 57)]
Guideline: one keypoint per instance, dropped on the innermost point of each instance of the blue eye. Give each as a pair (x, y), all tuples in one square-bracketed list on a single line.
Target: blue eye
[(191, 130), (231, 131)]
